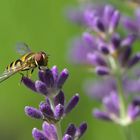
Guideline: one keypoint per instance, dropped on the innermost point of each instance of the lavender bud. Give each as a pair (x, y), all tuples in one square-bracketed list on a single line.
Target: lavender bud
[(133, 111), (99, 24), (81, 130), (29, 83), (100, 70), (129, 40), (59, 110), (114, 21), (104, 49), (62, 78), (116, 40), (72, 103), (67, 137), (33, 112), (88, 38), (41, 87), (38, 135), (59, 98), (55, 73), (50, 131), (101, 115), (96, 59), (46, 110), (134, 60), (124, 57), (41, 75), (71, 130), (108, 11), (48, 78)]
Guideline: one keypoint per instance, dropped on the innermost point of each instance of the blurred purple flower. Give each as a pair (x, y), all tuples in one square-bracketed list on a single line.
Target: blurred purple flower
[(105, 47), (48, 132), (112, 110), (132, 24), (103, 87), (79, 14)]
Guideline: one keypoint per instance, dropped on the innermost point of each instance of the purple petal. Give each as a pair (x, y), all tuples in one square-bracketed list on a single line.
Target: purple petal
[(111, 103), (50, 131), (108, 11), (125, 55), (131, 25), (67, 137), (62, 78), (41, 87), (78, 53), (41, 75), (96, 59), (29, 83), (104, 49), (72, 103), (101, 115), (100, 89), (114, 21), (55, 73), (48, 78), (81, 130), (99, 24), (59, 110), (129, 40), (88, 38), (116, 40), (71, 130), (46, 110), (134, 60), (100, 70), (134, 109), (38, 135), (33, 112), (59, 98)]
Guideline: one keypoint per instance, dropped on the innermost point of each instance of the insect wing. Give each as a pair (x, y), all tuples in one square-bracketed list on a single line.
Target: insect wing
[(22, 48), (7, 74)]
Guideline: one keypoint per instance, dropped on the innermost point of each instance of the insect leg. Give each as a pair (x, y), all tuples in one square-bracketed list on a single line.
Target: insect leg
[(22, 75), (32, 71)]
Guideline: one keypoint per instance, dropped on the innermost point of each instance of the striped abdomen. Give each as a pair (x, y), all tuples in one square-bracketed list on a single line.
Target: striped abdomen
[(27, 60)]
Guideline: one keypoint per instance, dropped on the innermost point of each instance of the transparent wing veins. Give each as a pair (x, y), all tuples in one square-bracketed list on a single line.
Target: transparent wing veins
[(22, 48)]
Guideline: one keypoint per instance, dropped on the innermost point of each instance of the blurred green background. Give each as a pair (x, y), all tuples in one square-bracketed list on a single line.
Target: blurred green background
[(42, 25)]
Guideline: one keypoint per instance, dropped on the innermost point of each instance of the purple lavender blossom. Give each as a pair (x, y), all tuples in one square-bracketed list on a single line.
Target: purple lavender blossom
[(132, 24), (112, 110), (50, 81), (102, 47), (48, 132), (55, 113), (54, 108)]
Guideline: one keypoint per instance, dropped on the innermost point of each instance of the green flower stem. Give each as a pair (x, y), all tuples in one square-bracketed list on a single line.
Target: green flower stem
[(122, 100), (59, 131), (127, 132), (118, 75), (58, 124)]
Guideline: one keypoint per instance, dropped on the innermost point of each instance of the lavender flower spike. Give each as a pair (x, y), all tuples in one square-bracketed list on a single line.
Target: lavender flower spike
[(49, 132), (53, 114), (50, 81)]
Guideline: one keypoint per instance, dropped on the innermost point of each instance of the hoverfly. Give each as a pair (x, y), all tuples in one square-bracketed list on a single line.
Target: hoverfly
[(27, 62)]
